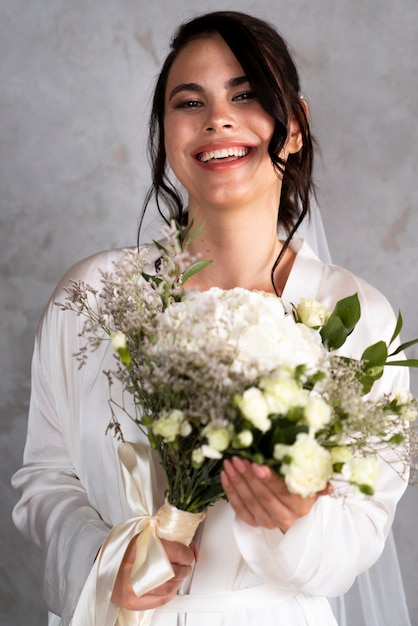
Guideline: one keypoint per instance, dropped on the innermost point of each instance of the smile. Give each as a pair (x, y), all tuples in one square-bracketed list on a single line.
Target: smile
[(223, 153)]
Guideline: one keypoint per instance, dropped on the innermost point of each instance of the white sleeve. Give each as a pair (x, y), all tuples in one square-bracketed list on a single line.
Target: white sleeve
[(323, 552), (54, 512)]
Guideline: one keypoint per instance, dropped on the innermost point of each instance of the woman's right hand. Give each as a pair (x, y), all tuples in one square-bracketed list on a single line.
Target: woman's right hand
[(181, 558)]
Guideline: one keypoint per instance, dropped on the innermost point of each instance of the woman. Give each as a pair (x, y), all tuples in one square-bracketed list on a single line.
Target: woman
[(229, 120)]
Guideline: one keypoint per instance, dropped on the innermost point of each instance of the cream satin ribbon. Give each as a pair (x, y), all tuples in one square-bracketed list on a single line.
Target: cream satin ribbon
[(151, 567)]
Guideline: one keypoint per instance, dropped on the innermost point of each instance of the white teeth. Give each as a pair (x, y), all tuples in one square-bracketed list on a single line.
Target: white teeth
[(222, 154)]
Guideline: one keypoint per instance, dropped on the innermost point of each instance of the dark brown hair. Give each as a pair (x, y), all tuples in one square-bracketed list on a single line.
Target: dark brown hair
[(271, 72)]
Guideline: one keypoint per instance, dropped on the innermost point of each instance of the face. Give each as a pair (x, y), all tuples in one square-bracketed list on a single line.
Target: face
[(216, 132)]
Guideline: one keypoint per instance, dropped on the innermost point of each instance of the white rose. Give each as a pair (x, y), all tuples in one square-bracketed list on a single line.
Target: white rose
[(197, 457), (361, 471), (340, 454), (310, 467), (403, 396), (280, 451), (120, 345), (169, 426), (317, 412), (409, 413), (185, 428), (218, 438), (243, 439), (255, 408), (210, 453), (282, 393), (118, 340), (312, 313), (404, 400)]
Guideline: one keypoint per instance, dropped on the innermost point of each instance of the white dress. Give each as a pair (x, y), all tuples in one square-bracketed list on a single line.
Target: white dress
[(72, 491)]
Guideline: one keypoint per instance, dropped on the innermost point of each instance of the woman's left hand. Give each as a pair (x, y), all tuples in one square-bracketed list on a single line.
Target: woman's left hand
[(260, 497)]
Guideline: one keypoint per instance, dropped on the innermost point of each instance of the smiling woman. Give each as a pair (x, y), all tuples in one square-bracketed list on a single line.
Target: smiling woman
[(229, 122)]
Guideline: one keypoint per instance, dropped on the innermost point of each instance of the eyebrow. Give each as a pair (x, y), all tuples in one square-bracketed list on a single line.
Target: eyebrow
[(232, 82)]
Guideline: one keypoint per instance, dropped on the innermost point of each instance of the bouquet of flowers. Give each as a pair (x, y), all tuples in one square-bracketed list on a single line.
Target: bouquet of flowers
[(220, 373)]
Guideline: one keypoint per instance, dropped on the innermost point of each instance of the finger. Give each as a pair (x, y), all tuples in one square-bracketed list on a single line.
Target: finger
[(252, 500), (178, 553), (270, 496), (233, 486), (278, 487), (265, 494)]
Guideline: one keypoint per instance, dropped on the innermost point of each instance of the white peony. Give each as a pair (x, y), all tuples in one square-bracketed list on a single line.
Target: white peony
[(310, 467), (312, 313), (255, 409), (279, 342), (249, 327)]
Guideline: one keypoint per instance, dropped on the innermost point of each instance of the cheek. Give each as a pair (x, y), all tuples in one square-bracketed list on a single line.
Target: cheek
[(169, 143), (175, 136), (268, 129)]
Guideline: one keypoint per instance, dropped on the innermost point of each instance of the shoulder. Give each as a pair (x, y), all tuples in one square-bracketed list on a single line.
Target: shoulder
[(333, 282), (89, 270)]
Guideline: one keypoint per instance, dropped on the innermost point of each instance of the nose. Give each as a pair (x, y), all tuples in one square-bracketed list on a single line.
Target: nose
[(219, 117)]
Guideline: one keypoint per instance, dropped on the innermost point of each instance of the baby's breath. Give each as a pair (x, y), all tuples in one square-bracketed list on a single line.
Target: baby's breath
[(220, 373)]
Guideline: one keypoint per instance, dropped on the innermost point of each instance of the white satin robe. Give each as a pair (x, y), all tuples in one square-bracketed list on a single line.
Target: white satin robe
[(72, 491)]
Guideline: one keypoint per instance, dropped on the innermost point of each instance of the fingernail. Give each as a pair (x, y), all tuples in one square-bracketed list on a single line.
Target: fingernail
[(229, 468), (225, 480), (261, 471), (239, 464)]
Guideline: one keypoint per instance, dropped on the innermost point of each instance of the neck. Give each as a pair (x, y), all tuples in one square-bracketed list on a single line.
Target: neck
[(243, 250)]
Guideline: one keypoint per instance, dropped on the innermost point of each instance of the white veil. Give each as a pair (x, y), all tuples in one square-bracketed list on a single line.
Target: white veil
[(377, 597)]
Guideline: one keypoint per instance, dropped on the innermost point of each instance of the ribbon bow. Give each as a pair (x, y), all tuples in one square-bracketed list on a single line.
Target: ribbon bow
[(151, 567)]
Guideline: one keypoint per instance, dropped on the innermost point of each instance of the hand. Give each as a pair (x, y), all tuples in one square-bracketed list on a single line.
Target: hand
[(180, 557), (260, 497)]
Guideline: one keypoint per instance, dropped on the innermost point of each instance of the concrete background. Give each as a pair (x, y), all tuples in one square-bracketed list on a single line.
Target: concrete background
[(75, 80)]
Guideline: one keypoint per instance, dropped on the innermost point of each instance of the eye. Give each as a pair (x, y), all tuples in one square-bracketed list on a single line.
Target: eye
[(188, 104), (245, 95)]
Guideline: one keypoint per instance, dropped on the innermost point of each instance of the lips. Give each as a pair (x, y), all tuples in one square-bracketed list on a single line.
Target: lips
[(220, 154)]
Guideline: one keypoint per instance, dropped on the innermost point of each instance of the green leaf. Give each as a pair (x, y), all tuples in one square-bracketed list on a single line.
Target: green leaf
[(341, 322), (404, 346), (160, 246), (397, 439), (151, 278), (367, 381), (194, 269), (193, 235), (125, 356), (405, 363), (398, 328), (366, 489), (375, 355)]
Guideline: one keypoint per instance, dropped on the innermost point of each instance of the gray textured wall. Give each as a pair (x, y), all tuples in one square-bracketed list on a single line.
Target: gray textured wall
[(75, 81)]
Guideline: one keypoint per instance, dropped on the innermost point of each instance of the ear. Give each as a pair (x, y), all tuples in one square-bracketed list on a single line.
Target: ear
[(294, 138)]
